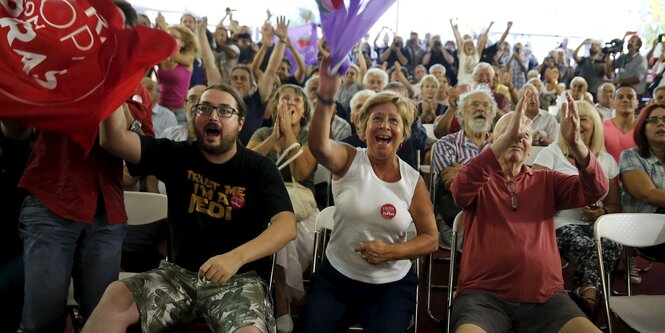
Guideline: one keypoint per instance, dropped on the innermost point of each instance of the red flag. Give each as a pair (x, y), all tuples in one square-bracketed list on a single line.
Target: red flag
[(68, 64)]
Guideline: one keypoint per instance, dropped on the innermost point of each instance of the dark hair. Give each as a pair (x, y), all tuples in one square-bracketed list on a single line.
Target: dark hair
[(639, 135), (288, 63), (625, 85), (131, 18), (240, 103), (242, 35)]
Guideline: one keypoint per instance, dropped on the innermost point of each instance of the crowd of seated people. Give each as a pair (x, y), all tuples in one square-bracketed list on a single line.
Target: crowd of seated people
[(227, 102)]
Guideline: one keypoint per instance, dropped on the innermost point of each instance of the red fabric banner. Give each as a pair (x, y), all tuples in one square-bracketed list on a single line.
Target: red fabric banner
[(68, 64)]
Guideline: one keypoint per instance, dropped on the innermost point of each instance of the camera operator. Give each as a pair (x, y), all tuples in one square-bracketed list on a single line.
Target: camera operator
[(632, 67), (415, 50), (438, 54), (591, 68), (396, 52)]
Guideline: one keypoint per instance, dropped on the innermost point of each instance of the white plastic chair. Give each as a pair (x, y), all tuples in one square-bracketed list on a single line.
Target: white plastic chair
[(458, 225), (433, 182), (324, 225), (644, 313), (144, 208), (429, 129)]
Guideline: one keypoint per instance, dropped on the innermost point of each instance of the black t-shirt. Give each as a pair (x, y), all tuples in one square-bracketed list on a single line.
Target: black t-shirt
[(13, 158), (489, 53), (254, 118), (213, 208), (451, 69)]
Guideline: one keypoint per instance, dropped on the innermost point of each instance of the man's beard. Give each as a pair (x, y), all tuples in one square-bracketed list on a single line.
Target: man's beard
[(224, 145), (593, 52), (479, 125)]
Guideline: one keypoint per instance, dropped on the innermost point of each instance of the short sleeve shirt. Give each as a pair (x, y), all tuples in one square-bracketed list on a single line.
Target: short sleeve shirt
[(652, 166), (213, 208)]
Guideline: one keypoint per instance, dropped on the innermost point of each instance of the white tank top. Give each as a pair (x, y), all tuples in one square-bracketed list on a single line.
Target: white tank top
[(367, 208)]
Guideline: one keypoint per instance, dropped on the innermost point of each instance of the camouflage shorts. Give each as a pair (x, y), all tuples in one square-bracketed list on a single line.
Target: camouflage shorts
[(171, 295)]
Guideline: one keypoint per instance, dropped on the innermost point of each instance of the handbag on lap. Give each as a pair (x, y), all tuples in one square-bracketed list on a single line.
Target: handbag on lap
[(302, 198)]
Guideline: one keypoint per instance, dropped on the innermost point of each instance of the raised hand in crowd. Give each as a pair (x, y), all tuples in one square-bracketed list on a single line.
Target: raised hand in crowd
[(160, 22), (282, 28), (570, 130), (517, 130)]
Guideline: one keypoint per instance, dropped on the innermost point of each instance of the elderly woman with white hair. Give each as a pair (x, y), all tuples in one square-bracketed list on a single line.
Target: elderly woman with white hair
[(375, 79), (509, 212), (578, 88), (574, 227)]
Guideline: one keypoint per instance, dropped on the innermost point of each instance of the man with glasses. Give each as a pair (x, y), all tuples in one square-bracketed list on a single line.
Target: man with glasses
[(185, 132), (453, 151), (222, 197)]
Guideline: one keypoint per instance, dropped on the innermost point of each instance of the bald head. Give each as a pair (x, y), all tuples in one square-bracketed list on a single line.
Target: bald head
[(152, 87), (193, 95)]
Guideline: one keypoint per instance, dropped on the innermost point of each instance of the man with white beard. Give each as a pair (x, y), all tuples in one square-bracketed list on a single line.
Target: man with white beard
[(477, 110), (544, 127)]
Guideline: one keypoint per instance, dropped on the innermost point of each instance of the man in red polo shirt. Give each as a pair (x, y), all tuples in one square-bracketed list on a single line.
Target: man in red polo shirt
[(73, 219)]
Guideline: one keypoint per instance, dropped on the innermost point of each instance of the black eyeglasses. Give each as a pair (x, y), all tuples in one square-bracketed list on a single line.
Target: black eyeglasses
[(223, 111), (654, 120), (513, 195)]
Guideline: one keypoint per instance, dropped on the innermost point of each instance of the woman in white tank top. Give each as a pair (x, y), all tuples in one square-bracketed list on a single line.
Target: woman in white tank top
[(367, 273)]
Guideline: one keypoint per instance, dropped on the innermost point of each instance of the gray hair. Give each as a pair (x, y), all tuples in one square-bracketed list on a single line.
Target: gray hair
[(378, 72), (482, 66), (437, 66)]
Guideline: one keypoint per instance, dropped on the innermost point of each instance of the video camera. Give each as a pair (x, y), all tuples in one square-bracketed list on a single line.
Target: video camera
[(614, 46)]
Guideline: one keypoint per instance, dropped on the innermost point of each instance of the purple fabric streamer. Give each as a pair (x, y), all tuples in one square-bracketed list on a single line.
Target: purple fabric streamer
[(343, 27), (304, 39)]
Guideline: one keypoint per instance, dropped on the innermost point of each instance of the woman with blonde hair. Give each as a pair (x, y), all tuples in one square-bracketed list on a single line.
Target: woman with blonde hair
[(574, 227), (429, 107), (366, 273)]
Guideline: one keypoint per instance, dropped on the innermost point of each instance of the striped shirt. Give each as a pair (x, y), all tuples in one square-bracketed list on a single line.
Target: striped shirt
[(454, 148)]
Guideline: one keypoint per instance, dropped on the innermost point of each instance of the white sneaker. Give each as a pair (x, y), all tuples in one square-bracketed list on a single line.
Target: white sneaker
[(284, 324), (635, 277)]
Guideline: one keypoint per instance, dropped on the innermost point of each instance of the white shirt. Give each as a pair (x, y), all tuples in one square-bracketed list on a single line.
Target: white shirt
[(370, 209), (552, 158)]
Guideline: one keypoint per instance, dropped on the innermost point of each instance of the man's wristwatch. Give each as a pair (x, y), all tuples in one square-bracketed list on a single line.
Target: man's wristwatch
[(136, 127)]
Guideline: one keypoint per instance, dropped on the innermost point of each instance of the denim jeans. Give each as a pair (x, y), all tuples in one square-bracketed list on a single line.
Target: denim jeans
[(55, 249)]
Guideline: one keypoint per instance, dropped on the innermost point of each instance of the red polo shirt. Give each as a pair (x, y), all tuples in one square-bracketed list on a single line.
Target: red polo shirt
[(69, 183), (512, 253)]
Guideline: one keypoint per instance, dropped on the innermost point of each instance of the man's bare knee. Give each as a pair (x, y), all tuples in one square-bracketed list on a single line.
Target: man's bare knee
[(248, 329), (115, 311), (579, 324)]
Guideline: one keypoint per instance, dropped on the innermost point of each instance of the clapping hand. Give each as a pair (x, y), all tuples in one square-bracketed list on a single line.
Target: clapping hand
[(570, 130)]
